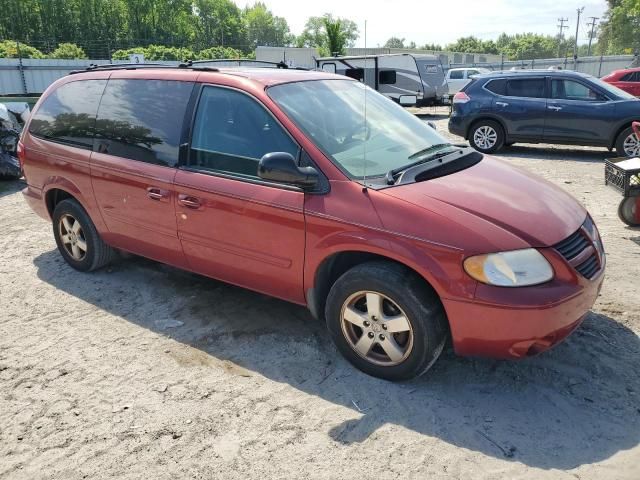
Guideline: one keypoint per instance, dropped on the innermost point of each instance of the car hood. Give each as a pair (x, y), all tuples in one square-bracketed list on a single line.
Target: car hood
[(512, 199)]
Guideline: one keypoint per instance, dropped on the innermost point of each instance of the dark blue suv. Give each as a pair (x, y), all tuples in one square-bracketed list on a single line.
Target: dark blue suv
[(545, 106)]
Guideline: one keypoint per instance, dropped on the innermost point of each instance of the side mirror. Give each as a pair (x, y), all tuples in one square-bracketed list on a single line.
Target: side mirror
[(281, 167)]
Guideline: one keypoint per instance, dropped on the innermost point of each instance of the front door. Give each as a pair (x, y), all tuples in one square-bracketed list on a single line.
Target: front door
[(133, 165), (232, 225), (578, 113)]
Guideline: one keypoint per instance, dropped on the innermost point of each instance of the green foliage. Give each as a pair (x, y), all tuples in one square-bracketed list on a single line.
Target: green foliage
[(9, 49), (395, 42), (336, 39), (263, 28), (68, 51), (219, 52), (473, 45), (156, 52), (315, 33), (620, 30)]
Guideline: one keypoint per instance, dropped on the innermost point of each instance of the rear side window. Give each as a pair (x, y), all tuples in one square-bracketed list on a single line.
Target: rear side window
[(232, 132), (142, 119), (68, 114), (526, 87), (498, 86), (456, 75), (388, 77)]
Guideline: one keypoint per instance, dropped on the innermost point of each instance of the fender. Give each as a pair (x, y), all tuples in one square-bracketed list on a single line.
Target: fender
[(621, 126)]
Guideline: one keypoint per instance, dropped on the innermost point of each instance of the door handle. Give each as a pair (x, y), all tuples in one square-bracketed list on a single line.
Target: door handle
[(189, 201), (554, 107), (156, 193), (502, 104)]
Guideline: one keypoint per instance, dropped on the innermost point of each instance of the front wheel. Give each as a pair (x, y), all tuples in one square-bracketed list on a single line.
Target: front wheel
[(386, 320), (628, 143), (629, 211), (486, 136)]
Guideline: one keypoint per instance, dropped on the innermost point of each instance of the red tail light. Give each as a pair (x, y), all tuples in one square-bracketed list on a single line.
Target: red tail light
[(21, 153), (461, 97)]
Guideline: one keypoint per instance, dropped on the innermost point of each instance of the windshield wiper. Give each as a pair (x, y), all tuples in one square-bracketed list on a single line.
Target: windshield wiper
[(391, 174)]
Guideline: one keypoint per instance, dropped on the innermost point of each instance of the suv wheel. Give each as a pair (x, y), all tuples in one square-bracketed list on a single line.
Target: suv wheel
[(486, 136), (386, 321), (628, 143), (77, 238)]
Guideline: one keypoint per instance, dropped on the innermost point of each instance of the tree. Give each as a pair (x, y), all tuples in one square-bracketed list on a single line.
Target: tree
[(620, 30), (432, 46), (219, 22), (315, 34), (336, 39), (395, 42), (472, 44), (9, 49), (68, 51), (263, 28)]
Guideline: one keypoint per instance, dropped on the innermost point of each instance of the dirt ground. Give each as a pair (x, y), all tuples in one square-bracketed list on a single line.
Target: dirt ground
[(145, 371)]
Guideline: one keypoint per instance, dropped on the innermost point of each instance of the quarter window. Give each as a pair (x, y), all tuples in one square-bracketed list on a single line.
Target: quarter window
[(68, 114), (388, 77), (630, 77), (499, 86), (232, 132), (526, 87), (142, 119), (570, 90)]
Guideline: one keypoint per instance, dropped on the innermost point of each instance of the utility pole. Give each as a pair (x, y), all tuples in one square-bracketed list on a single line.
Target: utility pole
[(562, 26), (575, 43), (592, 34)]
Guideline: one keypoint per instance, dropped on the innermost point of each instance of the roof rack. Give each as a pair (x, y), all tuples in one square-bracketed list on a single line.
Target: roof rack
[(280, 64), (128, 66)]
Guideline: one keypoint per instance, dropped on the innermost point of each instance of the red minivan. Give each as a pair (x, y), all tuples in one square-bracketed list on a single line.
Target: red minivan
[(313, 188), (627, 79)]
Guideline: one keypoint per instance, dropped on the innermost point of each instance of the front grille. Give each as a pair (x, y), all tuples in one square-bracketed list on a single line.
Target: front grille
[(573, 250)]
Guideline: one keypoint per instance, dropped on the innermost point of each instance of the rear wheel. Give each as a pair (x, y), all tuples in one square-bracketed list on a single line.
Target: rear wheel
[(386, 321), (77, 238), (629, 212), (628, 143), (486, 136)]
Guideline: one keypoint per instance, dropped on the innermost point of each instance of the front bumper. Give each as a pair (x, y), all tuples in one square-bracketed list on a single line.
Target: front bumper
[(521, 322)]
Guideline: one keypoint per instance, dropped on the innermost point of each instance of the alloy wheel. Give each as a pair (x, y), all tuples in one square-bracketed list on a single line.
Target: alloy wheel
[(72, 237), (631, 145), (485, 137), (376, 328)]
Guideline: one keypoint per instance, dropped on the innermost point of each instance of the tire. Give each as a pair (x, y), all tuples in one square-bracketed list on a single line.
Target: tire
[(628, 211), (494, 136), (401, 294), (632, 147), (84, 238)]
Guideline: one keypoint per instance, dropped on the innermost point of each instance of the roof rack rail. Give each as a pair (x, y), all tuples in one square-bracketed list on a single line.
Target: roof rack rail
[(121, 66), (280, 64)]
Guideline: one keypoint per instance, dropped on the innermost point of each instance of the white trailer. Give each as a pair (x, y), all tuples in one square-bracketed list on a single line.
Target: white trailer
[(409, 79)]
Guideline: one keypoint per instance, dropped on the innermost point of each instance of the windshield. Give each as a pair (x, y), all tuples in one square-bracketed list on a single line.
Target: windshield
[(332, 114)]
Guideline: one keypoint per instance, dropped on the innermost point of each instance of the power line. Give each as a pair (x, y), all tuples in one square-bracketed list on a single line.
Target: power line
[(592, 34), (562, 26)]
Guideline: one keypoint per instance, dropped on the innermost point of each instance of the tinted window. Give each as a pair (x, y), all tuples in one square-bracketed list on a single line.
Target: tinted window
[(472, 72), (142, 119), (355, 73), (232, 132), (456, 74), (68, 114), (570, 90), (388, 76), (526, 87), (628, 77), (499, 87)]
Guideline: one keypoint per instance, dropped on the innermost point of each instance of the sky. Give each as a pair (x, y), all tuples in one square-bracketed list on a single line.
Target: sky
[(443, 21)]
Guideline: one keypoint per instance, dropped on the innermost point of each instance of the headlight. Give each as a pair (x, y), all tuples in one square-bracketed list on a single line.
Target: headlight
[(517, 268)]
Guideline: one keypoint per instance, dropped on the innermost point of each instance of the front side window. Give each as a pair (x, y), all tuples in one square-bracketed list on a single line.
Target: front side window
[(332, 114), (232, 132), (571, 90), (142, 119), (68, 114), (526, 87)]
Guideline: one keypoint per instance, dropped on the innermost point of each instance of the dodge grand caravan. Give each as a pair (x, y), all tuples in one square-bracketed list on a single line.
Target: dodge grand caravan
[(278, 181)]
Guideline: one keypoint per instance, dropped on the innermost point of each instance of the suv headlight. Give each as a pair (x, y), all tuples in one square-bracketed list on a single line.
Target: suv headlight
[(517, 268)]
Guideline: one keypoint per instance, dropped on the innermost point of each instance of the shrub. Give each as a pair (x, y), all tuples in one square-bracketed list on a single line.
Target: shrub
[(9, 49), (68, 51), (218, 52), (156, 52)]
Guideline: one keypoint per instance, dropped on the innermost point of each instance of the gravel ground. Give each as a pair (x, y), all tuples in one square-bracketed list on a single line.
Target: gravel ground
[(144, 371)]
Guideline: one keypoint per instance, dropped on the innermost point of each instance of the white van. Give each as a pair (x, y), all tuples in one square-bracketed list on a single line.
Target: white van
[(457, 78)]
